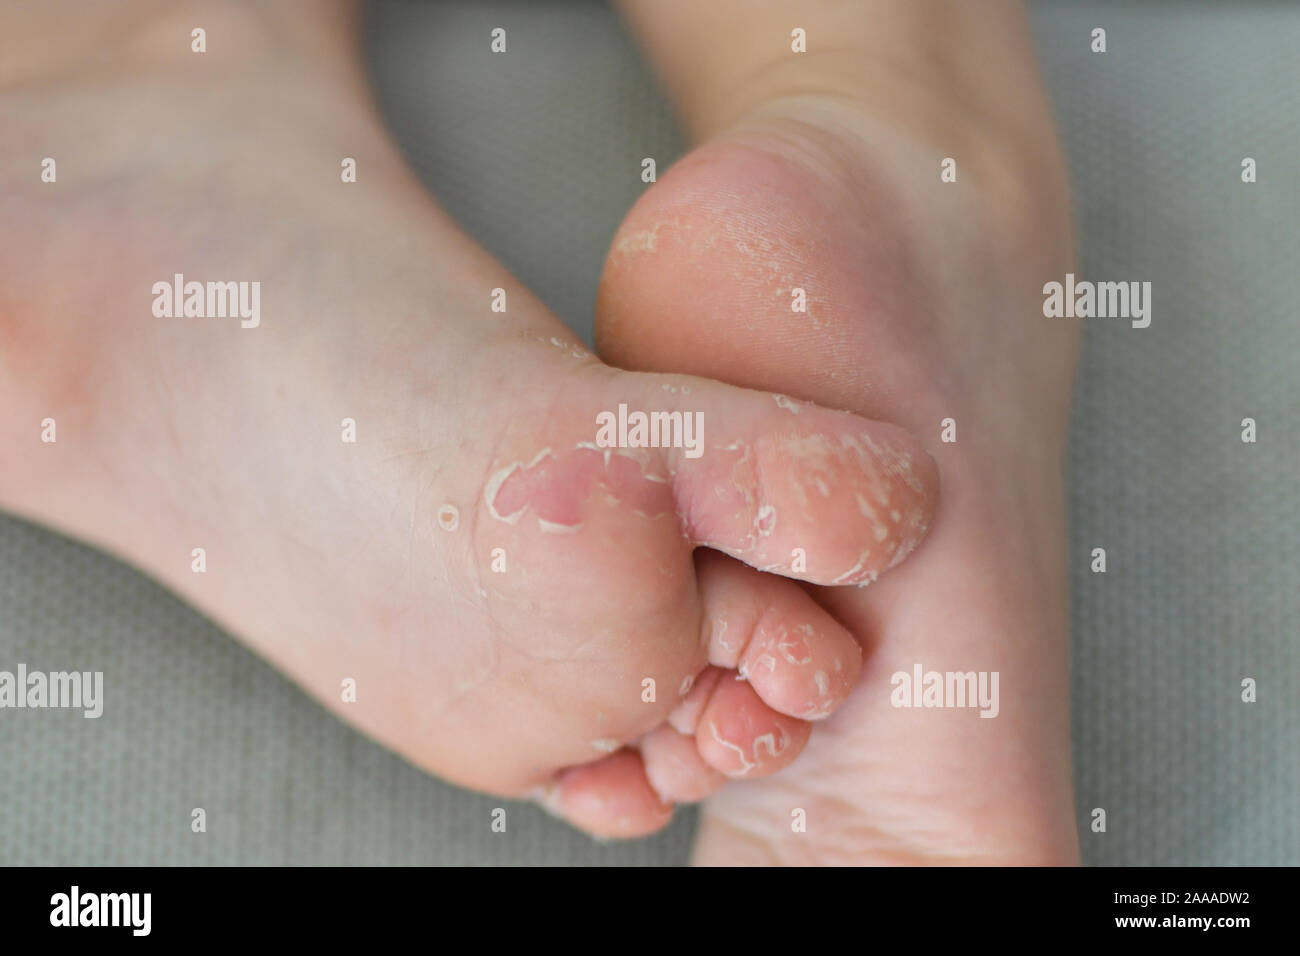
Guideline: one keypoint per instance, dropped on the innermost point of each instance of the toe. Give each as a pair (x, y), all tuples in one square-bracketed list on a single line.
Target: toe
[(798, 659), (741, 736), (611, 798), (675, 767), (787, 487)]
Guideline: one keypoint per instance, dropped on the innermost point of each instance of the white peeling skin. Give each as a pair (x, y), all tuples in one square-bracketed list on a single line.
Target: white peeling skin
[(638, 455), (916, 528), (547, 796), (789, 404), (605, 745), (687, 684), (774, 742), (642, 241), (856, 571), (786, 646), (448, 517), (498, 479), (816, 711), (769, 743), (552, 527), (719, 630), (745, 764), (896, 463)]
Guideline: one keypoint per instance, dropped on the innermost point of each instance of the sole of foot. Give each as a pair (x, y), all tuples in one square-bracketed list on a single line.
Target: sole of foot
[(814, 249)]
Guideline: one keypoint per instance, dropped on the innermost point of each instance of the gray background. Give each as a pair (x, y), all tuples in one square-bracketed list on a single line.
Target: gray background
[(538, 156)]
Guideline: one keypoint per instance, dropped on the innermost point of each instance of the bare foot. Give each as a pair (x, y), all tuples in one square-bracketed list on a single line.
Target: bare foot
[(478, 580), (821, 173)]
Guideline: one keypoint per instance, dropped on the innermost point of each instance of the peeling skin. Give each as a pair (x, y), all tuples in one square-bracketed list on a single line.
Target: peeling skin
[(794, 649), (823, 684), (745, 764), (687, 684), (498, 479), (789, 404), (641, 241), (816, 711), (548, 797), (605, 745), (574, 350), (913, 533), (774, 742), (719, 631), (855, 573), (448, 518), (810, 470), (896, 463), (551, 527), (769, 743), (557, 488)]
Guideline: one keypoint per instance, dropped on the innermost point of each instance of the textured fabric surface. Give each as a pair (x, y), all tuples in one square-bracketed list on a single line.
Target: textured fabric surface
[(537, 154)]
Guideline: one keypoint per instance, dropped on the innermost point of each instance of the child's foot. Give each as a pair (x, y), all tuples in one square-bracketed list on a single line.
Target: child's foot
[(924, 304), (475, 580)]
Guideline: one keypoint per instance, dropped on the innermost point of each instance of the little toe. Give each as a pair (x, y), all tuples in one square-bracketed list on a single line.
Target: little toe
[(675, 767), (611, 798)]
